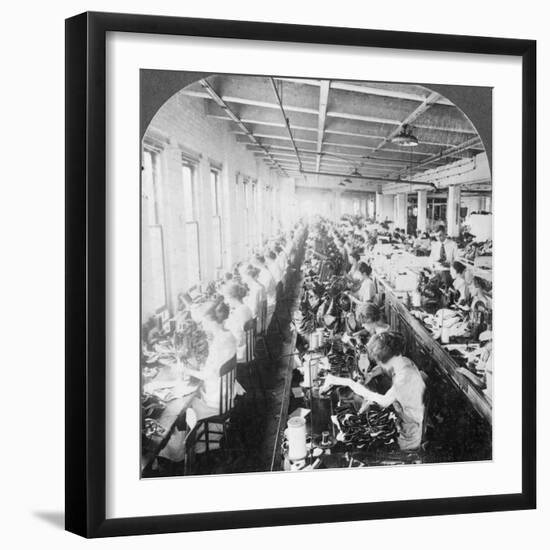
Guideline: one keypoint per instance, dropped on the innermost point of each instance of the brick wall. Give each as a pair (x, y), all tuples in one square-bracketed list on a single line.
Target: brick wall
[(185, 129)]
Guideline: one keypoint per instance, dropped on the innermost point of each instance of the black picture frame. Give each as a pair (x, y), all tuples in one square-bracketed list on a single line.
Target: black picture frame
[(86, 273)]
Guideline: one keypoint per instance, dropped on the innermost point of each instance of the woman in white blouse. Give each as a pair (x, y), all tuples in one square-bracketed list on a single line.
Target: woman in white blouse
[(406, 393), (282, 258), (354, 260), (458, 272), (367, 290), (369, 317), (239, 315), (268, 282), (256, 291), (282, 263), (221, 348), (273, 266)]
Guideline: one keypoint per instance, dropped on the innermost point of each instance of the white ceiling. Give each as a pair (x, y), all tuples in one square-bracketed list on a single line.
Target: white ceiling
[(336, 127)]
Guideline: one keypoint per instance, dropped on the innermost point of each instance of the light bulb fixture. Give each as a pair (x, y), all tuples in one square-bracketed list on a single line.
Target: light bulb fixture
[(405, 138)]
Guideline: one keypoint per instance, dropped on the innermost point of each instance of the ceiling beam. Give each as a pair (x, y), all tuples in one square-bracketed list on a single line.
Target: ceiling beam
[(282, 148), (364, 118), (345, 168), (371, 150), (365, 148), (451, 151), (366, 89), (369, 90), (470, 131), (236, 96), (268, 104), (284, 138), (372, 178), (363, 135), (344, 157), (271, 123), (324, 89), (262, 122), (342, 115), (219, 101)]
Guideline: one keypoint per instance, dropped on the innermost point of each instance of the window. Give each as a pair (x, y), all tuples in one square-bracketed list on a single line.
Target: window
[(191, 220), (247, 189), (217, 234), (370, 208), (189, 192), (255, 217), (153, 267)]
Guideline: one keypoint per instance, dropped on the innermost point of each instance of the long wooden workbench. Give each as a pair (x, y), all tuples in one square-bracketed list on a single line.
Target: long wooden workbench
[(425, 351), (420, 339)]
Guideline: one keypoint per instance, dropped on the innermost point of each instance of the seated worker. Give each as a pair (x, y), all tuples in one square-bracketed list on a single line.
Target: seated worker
[(367, 290), (265, 278), (222, 347), (462, 291), (256, 292), (369, 317), (406, 393), (354, 260), (444, 253), (273, 266), (422, 241), (239, 315)]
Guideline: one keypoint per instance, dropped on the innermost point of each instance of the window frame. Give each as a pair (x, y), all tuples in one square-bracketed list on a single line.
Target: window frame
[(193, 163), (217, 217), (150, 146)]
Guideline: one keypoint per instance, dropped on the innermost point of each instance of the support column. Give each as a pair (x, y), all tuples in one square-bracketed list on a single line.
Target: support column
[(336, 204), (453, 211), (371, 209), (384, 207), (378, 207), (401, 210), (422, 210)]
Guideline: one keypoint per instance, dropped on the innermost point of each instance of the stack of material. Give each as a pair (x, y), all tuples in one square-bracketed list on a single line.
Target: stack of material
[(370, 431)]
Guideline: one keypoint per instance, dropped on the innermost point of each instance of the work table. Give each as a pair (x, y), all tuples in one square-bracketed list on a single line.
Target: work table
[(417, 335)]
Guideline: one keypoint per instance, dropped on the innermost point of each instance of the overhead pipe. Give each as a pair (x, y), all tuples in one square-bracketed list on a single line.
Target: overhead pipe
[(223, 105), (371, 178), (454, 150), (287, 122)]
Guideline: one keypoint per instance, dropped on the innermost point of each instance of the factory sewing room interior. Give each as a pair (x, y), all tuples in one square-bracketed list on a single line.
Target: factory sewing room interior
[(316, 279)]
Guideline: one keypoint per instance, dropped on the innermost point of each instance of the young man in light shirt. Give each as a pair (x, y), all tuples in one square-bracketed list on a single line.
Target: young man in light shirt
[(444, 253)]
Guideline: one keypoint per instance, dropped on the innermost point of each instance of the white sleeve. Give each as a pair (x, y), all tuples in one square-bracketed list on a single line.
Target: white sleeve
[(433, 254)]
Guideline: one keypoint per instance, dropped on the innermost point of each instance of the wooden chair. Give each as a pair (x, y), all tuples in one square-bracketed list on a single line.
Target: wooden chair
[(261, 330), (250, 356), (250, 341), (190, 444), (228, 374), (262, 321)]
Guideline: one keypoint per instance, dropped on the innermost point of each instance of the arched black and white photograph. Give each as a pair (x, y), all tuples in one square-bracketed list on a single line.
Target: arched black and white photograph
[(316, 276)]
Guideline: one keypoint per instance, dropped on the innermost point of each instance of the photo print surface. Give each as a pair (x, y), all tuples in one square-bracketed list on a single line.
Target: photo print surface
[(316, 274)]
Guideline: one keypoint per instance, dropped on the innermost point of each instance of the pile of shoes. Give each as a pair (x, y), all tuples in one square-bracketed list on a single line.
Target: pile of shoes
[(373, 430)]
